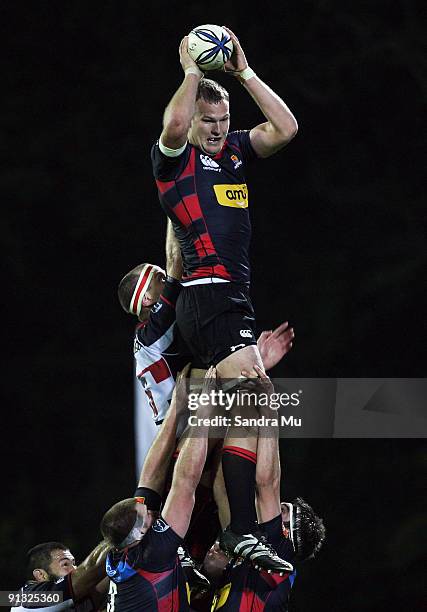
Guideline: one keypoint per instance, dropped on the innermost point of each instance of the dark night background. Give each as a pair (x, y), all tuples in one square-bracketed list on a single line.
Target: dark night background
[(339, 250)]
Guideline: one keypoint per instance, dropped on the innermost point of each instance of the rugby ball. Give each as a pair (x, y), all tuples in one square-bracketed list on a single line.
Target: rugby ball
[(210, 46)]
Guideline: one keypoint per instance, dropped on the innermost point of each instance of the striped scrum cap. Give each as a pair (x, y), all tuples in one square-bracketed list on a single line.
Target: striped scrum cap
[(141, 287)]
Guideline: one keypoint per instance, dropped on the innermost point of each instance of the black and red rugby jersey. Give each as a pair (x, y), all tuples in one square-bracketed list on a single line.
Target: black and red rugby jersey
[(206, 199), (149, 577), (245, 588)]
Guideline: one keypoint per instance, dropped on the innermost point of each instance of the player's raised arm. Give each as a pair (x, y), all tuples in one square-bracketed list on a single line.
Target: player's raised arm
[(180, 110), (189, 466), (154, 470), (90, 572), (268, 461), (281, 125)]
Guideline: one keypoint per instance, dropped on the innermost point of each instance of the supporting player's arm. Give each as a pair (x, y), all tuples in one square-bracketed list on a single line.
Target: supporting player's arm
[(189, 466), (221, 499), (268, 460), (173, 253), (89, 573), (281, 126), (154, 470), (180, 110)]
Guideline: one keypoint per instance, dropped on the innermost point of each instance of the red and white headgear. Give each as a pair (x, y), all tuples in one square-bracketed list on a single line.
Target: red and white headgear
[(141, 287)]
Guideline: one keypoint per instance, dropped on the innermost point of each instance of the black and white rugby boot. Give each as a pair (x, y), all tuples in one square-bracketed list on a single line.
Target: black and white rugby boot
[(254, 548)]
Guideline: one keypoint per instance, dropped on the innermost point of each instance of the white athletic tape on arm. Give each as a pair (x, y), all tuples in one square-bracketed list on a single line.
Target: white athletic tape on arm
[(246, 74), (171, 152), (193, 70)]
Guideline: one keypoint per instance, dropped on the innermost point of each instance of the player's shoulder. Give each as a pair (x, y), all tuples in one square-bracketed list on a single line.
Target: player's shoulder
[(120, 566), (161, 533), (171, 290), (238, 138), (140, 333), (237, 135), (240, 142), (157, 551)]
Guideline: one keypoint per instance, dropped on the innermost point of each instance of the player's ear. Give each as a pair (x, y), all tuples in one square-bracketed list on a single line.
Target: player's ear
[(40, 575)]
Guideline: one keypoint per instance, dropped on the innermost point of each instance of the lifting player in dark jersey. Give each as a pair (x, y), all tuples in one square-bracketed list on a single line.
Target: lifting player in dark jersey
[(151, 294), (200, 171), (160, 352), (296, 533), (293, 529), (143, 564)]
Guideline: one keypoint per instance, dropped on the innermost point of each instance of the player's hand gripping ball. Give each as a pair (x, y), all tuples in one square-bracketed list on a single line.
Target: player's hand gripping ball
[(210, 46)]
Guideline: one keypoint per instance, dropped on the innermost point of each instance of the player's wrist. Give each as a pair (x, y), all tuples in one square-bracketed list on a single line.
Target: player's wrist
[(193, 70), (245, 74), (149, 497)]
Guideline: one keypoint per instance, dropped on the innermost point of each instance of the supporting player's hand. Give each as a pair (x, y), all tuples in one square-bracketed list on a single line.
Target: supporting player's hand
[(185, 58), (262, 382), (205, 406), (180, 393), (237, 61), (264, 386), (273, 345), (209, 382)]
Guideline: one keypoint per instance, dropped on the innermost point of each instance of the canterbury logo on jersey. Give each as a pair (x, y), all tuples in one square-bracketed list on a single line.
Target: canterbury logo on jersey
[(235, 196), (209, 163)]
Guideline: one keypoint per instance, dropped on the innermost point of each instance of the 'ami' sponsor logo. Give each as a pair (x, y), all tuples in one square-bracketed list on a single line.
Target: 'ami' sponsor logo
[(235, 196)]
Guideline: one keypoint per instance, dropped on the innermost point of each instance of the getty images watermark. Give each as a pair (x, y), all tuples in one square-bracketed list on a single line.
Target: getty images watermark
[(228, 409), (315, 408)]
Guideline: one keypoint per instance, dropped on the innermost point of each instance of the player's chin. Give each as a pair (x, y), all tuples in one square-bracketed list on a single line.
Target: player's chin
[(213, 147)]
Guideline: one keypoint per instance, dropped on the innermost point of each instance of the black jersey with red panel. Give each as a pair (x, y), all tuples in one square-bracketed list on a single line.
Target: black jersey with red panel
[(149, 576), (206, 199), (159, 351), (244, 588)]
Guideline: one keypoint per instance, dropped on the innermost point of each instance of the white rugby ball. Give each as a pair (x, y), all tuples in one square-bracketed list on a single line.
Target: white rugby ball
[(210, 46)]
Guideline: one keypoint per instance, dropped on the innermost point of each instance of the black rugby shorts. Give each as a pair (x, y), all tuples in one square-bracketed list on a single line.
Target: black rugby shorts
[(215, 320)]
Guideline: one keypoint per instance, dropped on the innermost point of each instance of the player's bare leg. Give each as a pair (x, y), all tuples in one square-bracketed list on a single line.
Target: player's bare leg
[(239, 462), (242, 359)]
